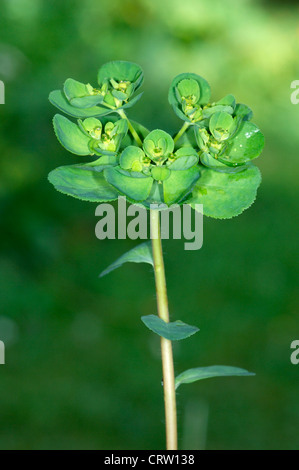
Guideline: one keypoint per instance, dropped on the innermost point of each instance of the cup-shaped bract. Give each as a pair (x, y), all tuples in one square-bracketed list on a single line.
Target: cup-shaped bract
[(222, 126), (90, 136), (132, 158), (118, 81), (107, 140), (83, 95), (183, 159), (71, 137), (92, 127), (123, 79), (188, 93), (158, 145)]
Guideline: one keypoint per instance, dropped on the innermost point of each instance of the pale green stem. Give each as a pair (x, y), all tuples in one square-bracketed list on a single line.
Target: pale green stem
[(166, 345), (181, 131), (132, 130)]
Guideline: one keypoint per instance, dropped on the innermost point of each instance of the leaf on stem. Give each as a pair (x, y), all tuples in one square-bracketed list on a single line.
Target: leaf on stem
[(58, 99), (200, 373), (140, 254), (121, 70), (174, 331), (79, 94), (70, 136), (179, 184), (134, 185), (83, 183), (246, 145), (225, 195)]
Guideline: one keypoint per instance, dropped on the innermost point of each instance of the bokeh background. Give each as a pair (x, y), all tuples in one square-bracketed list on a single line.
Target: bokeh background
[(82, 371)]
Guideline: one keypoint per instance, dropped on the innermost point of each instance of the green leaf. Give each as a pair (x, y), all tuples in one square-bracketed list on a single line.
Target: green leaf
[(204, 87), (71, 136), (243, 112), (119, 95), (74, 89), (121, 70), (179, 184), (228, 100), (222, 126), (208, 112), (200, 373), (89, 125), (131, 101), (189, 88), (101, 163), (210, 162), (160, 173), (58, 99), (186, 157), (245, 145), (79, 94), (131, 158), (173, 331), (225, 195), (137, 189), (83, 183), (140, 254)]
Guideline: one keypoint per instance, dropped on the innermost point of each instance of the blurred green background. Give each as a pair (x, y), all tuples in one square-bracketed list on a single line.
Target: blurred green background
[(82, 371)]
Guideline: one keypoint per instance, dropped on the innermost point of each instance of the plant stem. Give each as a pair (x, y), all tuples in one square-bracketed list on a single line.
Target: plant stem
[(132, 130), (166, 345), (181, 131)]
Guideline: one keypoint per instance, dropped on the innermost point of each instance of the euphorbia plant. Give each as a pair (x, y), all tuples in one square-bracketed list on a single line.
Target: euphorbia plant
[(208, 161)]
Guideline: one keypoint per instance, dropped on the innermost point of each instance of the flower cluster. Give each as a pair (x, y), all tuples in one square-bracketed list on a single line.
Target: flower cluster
[(207, 162)]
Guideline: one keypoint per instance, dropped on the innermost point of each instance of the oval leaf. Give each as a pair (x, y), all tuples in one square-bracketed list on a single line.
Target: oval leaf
[(210, 162), (121, 70), (82, 183), (225, 195), (79, 94), (228, 100), (58, 99), (71, 136), (136, 189), (173, 331), (200, 373), (179, 184), (243, 112), (139, 254), (186, 157), (246, 145), (216, 109)]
